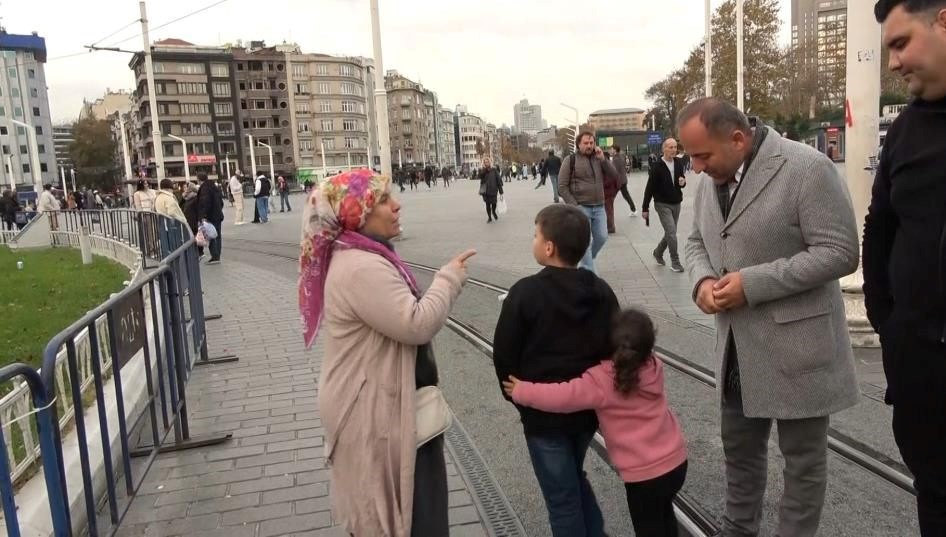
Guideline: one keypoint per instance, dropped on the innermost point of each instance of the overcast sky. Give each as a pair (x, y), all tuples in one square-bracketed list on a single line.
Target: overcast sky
[(486, 54)]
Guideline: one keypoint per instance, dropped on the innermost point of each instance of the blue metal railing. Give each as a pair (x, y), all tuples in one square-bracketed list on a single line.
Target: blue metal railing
[(156, 324)]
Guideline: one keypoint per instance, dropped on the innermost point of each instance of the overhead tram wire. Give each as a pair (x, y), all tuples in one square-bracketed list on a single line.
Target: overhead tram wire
[(170, 22)]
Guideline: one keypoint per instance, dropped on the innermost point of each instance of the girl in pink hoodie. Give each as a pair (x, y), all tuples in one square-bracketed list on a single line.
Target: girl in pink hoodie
[(643, 438)]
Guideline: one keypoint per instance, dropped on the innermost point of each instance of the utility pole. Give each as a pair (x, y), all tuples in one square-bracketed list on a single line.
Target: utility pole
[(380, 93), (125, 156), (740, 68), (152, 95), (708, 50)]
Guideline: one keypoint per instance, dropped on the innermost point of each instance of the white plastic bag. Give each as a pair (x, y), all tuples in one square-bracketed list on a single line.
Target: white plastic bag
[(501, 207), (201, 239), (210, 232)]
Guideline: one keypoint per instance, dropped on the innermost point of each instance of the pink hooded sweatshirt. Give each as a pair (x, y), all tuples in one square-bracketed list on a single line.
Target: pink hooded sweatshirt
[(642, 435)]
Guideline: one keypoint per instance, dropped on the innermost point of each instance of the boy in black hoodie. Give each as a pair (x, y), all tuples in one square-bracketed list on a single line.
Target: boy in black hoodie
[(554, 325)]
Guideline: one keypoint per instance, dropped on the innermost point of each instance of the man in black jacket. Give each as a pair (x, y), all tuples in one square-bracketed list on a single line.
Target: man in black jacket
[(904, 251), (665, 182), (210, 210), (553, 326), (552, 166)]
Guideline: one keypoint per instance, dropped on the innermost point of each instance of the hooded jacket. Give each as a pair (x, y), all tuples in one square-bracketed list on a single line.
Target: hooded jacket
[(643, 437), (554, 325)]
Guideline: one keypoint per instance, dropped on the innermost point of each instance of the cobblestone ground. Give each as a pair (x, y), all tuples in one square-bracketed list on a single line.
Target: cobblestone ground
[(271, 478)]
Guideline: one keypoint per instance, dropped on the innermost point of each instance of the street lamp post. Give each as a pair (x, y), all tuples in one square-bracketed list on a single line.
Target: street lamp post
[(12, 176), (272, 172), (380, 94), (152, 94), (187, 166), (253, 157), (708, 50), (740, 67), (34, 155)]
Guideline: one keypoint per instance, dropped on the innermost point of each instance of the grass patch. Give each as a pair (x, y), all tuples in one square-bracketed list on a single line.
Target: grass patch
[(53, 290)]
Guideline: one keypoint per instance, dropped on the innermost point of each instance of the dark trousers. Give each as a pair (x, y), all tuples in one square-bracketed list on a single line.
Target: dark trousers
[(609, 212), (628, 198), (10, 224), (558, 461), (916, 377), (651, 503), (217, 244), (490, 202), (284, 201), (430, 492)]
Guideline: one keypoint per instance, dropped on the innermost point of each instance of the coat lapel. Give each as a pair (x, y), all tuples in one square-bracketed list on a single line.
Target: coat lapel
[(764, 167)]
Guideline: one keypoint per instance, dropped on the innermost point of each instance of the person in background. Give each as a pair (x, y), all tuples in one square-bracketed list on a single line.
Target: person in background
[(905, 247), (491, 186), (261, 193), (613, 183), (666, 179), (210, 210), (49, 204), (165, 202), (143, 198), (620, 166), (9, 206), (71, 201), (377, 354), (644, 440), (236, 192), (283, 186), (553, 165), (191, 211)]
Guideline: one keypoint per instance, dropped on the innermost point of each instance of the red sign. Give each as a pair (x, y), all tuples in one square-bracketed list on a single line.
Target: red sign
[(201, 159), (848, 115), (833, 130)]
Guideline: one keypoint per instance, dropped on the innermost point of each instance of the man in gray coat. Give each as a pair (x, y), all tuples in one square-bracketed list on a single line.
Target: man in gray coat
[(773, 231)]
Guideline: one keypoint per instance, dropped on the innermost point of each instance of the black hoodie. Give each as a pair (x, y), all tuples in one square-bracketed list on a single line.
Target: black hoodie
[(554, 325)]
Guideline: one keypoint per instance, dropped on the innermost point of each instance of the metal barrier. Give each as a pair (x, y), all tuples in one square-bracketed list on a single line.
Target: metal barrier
[(142, 345)]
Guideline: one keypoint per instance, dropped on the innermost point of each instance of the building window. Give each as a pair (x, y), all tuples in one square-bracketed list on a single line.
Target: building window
[(298, 69), (348, 106), (3, 131), (190, 68), (195, 109), (328, 125), (321, 69), (219, 69), (14, 92), (259, 105), (325, 106), (2, 113), (24, 150), (351, 143), (225, 128), (43, 167), (302, 107), (305, 145), (227, 147), (259, 85), (302, 89), (41, 148), (191, 88), (223, 109), (346, 70), (221, 89), (349, 125), (304, 126), (348, 88), (261, 124), (6, 151), (323, 88), (328, 143), (17, 111), (26, 168), (35, 111)]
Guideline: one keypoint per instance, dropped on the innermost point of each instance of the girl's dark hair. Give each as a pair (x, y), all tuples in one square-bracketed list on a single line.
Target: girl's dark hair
[(633, 336)]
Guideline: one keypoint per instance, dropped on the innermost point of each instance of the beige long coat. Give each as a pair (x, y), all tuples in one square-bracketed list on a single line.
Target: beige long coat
[(372, 327)]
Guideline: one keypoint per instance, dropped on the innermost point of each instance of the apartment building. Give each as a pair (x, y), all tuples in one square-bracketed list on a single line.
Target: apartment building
[(262, 87), (528, 117), (447, 136), (197, 100), (407, 119), (329, 103), (819, 31), (23, 98), (471, 131), (434, 125)]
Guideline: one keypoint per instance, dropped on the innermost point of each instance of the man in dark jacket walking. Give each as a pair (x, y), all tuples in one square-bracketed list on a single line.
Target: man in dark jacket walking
[(490, 186), (210, 210), (552, 166), (8, 209), (904, 251), (665, 181)]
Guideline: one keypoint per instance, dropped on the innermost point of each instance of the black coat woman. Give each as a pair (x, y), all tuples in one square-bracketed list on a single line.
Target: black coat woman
[(491, 186)]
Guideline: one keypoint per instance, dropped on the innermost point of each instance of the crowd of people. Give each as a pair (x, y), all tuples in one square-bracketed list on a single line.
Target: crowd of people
[(774, 231)]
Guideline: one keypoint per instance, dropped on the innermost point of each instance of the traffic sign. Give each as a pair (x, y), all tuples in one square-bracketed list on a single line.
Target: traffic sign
[(654, 138)]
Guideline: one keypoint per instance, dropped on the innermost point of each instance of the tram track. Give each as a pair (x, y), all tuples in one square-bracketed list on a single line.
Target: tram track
[(693, 517)]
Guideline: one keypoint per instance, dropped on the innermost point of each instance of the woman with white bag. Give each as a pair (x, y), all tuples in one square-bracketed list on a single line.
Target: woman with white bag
[(383, 416)]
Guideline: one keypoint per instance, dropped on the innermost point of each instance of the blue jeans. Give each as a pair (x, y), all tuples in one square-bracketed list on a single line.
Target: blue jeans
[(599, 234), (558, 460), (262, 206), (554, 178)]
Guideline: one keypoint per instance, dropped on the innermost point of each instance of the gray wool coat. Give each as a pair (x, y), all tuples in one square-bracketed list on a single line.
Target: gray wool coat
[(791, 232)]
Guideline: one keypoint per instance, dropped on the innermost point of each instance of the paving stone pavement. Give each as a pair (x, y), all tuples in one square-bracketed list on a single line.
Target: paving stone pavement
[(271, 479)]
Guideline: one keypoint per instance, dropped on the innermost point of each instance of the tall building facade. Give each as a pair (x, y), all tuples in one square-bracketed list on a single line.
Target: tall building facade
[(62, 139), (471, 130), (106, 105), (329, 105), (407, 118), (197, 100), (819, 33), (447, 136), (528, 117), (23, 98)]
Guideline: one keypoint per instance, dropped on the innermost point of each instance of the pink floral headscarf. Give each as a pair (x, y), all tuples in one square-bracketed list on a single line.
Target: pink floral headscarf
[(333, 214)]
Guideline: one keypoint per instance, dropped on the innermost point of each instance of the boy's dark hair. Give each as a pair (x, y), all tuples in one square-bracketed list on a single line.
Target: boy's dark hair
[(883, 8), (201, 176), (633, 336), (167, 183), (616, 148), (567, 228)]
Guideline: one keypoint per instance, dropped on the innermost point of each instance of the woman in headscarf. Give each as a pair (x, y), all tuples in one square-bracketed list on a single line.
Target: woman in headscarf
[(377, 332)]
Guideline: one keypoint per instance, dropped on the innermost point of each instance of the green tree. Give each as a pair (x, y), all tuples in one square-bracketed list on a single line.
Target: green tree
[(93, 152)]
